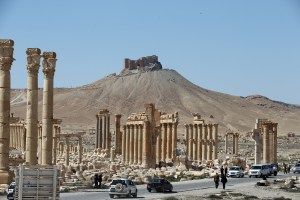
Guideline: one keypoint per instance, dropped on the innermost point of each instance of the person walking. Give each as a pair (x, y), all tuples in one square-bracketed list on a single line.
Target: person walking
[(222, 170), (96, 179), (284, 168), (224, 181), (217, 180), (100, 180)]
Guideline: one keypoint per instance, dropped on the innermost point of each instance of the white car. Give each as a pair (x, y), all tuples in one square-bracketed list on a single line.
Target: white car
[(259, 170), (235, 171), (122, 187)]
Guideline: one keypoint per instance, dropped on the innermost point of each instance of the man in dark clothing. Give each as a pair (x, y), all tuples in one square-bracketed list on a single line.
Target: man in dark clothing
[(226, 170), (284, 168), (96, 179), (224, 181), (217, 180), (222, 170), (100, 180)]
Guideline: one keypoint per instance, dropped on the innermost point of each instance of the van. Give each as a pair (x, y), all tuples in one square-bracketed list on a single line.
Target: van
[(259, 170)]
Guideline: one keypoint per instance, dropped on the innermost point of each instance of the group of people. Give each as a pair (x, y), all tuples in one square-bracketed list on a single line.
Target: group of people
[(223, 177), (286, 168), (97, 181)]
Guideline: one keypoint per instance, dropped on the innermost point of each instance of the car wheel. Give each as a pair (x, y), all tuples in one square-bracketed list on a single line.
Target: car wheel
[(111, 196), (163, 190), (135, 194), (249, 176), (275, 173), (171, 189), (149, 190)]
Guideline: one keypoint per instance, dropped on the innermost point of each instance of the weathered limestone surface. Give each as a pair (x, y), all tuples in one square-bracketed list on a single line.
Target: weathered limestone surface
[(33, 65), (6, 59), (49, 63)]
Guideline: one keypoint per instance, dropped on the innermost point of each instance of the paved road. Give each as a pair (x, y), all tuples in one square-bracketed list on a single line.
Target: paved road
[(179, 187)]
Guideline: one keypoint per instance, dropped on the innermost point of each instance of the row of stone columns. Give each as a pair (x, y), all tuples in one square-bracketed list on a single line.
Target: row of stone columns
[(17, 136), (103, 135), (134, 147), (265, 137), (202, 141), (166, 142), (235, 142)]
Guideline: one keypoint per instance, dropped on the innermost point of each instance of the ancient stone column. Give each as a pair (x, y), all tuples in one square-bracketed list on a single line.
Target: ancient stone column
[(6, 59), (255, 137), (118, 139), (233, 143), (108, 135), (67, 151), (205, 142), (49, 63), (199, 142), (275, 142), (100, 131), (164, 144), (169, 141), (195, 142), (128, 144), (140, 143), (226, 143), (104, 132), (266, 145), (236, 137), (191, 141), (187, 137), (80, 149), (174, 141), (215, 141), (158, 146), (124, 144), (146, 144), (271, 143), (210, 144), (135, 145), (97, 132), (131, 146)]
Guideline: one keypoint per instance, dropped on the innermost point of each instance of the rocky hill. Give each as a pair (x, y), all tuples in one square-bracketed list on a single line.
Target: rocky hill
[(170, 92)]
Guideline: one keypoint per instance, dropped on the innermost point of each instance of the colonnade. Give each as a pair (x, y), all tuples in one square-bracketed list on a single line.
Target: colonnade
[(64, 146), (235, 142), (103, 135), (135, 143), (18, 136), (201, 141), (265, 137)]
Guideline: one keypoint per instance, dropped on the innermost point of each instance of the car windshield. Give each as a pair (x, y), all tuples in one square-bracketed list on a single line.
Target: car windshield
[(234, 168), (157, 181), (115, 182), (256, 167), (297, 165)]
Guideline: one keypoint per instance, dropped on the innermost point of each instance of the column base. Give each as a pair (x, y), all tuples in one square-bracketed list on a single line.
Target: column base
[(6, 177)]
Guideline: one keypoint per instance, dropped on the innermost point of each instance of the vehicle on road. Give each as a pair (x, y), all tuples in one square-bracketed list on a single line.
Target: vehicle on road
[(296, 168), (235, 171), (259, 170), (11, 190), (160, 185), (122, 187)]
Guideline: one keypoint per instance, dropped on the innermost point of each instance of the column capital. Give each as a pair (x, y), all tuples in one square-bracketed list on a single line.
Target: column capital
[(49, 63), (6, 54), (33, 60)]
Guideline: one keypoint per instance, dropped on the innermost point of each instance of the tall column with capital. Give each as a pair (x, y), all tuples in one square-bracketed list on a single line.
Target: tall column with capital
[(6, 59), (215, 141), (49, 63), (174, 140), (275, 142), (124, 144), (266, 145), (199, 142), (118, 139), (195, 142)]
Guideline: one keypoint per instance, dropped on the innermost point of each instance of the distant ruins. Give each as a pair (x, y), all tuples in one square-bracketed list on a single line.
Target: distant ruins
[(235, 142), (144, 64), (265, 137), (201, 140)]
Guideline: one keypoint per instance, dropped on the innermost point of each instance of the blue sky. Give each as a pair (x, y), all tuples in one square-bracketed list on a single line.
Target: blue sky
[(235, 47)]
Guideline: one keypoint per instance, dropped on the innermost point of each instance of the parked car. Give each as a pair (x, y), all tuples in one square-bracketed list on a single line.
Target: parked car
[(296, 168), (259, 170), (159, 184), (11, 190), (235, 171), (122, 187)]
